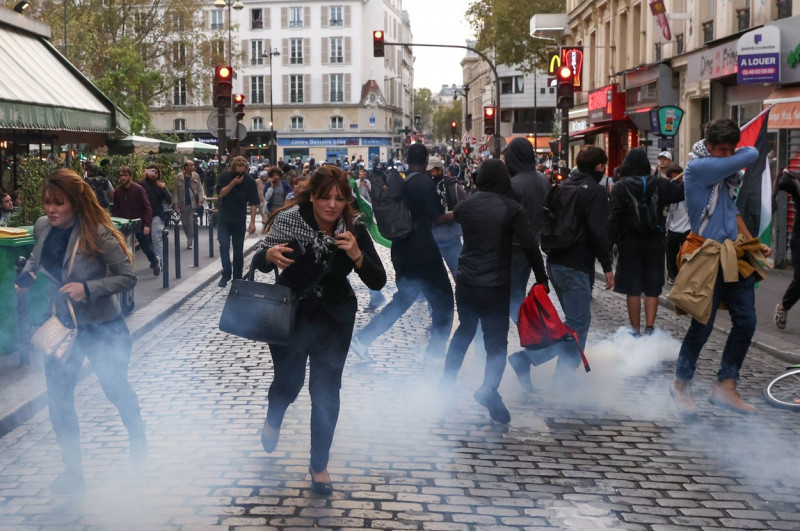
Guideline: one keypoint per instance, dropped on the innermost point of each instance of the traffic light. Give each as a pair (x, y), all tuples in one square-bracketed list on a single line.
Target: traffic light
[(223, 86), (565, 92), (488, 120), (238, 106), (466, 150), (453, 129), (377, 43)]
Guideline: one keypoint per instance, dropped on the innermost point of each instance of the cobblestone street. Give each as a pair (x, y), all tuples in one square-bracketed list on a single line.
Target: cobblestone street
[(611, 454)]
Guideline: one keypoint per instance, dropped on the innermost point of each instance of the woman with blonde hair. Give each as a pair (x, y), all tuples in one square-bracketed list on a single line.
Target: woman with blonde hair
[(76, 228)]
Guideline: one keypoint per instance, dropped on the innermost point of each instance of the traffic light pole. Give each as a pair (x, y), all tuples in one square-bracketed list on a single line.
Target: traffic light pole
[(496, 146), (564, 165), (222, 145)]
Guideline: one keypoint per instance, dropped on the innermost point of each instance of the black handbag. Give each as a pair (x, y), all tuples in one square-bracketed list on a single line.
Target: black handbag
[(262, 311)]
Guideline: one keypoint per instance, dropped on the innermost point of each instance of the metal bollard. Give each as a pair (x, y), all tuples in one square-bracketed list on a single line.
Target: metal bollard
[(196, 221), (177, 249), (165, 259), (211, 240)]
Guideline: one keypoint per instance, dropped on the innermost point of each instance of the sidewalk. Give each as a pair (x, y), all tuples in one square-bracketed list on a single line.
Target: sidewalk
[(22, 389)]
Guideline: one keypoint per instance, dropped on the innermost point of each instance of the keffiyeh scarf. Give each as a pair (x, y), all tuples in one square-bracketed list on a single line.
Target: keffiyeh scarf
[(733, 182), (289, 225)]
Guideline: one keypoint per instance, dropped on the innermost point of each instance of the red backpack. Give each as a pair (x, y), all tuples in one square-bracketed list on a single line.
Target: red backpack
[(539, 324)]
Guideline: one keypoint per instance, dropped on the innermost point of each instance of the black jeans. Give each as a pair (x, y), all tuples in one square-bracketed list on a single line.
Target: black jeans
[(146, 245), (434, 283), (490, 307), (232, 234), (108, 347), (793, 291), (674, 243), (324, 343)]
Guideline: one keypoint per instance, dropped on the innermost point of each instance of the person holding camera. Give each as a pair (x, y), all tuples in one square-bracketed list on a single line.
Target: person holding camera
[(236, 191), (158, 195)]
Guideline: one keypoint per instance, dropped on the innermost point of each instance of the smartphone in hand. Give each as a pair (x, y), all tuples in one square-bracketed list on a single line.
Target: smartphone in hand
[(25, 279)]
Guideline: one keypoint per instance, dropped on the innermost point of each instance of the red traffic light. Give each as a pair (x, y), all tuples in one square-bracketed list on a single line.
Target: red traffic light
[(488, 112), (223, 86), (238, 106), (488, 120), (377, 43), (238, 98), (453, 128), (224, 73), (564, 73)]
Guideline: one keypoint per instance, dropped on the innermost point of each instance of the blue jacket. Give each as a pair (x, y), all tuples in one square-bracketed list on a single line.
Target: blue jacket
[(699, 179)]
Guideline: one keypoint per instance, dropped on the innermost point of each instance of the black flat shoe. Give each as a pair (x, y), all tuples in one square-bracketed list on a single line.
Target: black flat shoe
[(319, 487), (269, 438)]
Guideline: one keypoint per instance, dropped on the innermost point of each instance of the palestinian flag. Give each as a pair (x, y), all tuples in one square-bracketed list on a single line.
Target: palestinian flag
[(755, 195)]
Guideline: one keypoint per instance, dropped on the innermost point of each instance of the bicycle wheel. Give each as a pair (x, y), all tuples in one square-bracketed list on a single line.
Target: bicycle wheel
[(784, 391)]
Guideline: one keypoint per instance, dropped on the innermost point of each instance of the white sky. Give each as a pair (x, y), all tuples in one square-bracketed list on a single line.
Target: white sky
[(438, 22)]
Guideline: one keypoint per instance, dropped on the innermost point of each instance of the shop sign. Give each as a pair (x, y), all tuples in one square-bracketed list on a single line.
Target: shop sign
[(759, 56), (578, 125), (606, 103), (665, 121), (713, 63), (659, 11), (344, 141), (374, 141), (572, 56)]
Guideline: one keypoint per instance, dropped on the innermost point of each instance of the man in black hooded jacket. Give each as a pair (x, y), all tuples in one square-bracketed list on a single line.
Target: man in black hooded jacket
[(571, 270)]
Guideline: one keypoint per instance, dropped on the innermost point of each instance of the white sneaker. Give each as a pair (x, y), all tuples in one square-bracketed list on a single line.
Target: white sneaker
[(780, 317)]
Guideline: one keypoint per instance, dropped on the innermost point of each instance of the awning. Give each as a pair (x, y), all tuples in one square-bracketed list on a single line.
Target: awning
[(786, 111), (641, 118), (139, 144), (592, 131), (193, 146), (40, 90)]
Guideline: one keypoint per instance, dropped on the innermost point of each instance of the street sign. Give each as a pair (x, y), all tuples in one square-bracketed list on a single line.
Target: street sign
[(666, 143), (241, 132), (230, 123)]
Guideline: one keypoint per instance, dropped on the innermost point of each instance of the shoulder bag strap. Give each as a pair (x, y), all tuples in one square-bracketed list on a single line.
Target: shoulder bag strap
[(69, 272)]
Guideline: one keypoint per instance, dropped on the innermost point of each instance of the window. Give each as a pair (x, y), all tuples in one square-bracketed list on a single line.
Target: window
[(178, 55), (658, 51), (217, 19), (177, 22), (256, 51), (179, 124), (218, 52), (743, 18), (256, 20), (336, 16), (296, 51), (257, 89), (679, 43), (179, 92), (519, 84), (708, 31), (296, 88), (512, 85), (337, 50), (337, 122), (337, 87), (295, 17), (297, 122), (257, 124)]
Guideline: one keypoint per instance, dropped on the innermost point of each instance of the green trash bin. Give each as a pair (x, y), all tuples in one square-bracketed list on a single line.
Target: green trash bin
[(36, 300)]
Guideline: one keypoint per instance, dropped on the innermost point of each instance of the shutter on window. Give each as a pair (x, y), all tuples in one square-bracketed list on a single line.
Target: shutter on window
[(346, 98), (306, 51), (267, 87), (206, 21), (245, 51), (286, 88), (347, 50), (306, 17), (326, 88), (346, 15), (306, 88), (284, 17), (267, 49), (285, 51), (325, 16), (266, 17), (247, 89), (325, 57)]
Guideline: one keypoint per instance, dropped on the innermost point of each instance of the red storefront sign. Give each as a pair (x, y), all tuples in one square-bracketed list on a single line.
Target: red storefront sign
[(606, 103)]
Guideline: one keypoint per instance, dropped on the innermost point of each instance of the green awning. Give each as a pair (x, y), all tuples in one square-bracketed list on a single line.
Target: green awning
[(41, 90)]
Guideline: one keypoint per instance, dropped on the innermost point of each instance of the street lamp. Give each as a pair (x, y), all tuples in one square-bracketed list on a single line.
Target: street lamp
[(22, 6), (238, 6), (273, 145), (57, 2)]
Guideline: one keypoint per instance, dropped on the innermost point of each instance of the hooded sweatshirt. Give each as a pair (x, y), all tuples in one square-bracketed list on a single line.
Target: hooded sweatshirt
[(530, 185)]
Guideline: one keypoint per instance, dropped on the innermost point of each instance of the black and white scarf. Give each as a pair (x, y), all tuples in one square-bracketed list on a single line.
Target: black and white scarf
[(733, 182), (289, 225)]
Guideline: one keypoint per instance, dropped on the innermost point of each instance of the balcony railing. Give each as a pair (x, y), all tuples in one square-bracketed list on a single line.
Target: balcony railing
[(708, 31), (337, 22), (784, 8), (743, 18), (295, 23)]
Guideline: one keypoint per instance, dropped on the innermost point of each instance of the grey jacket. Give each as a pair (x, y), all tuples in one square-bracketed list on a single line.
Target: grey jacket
[(108, 273), (196, 185)]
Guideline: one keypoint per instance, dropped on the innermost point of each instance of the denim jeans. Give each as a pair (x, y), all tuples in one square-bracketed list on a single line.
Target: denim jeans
[(740, 299), (520, 273), (231, 234), (146, 246), (157, 236), (451, 250), (574, 291)]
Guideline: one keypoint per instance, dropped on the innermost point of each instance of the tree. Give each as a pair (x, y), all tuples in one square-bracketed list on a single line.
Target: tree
[(502, 26), (442, 119), (134, 51), (424, 107)]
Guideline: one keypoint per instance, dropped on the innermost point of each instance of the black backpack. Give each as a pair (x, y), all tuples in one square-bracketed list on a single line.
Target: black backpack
[(642, 211), (100, 188), (562, 227), (389, 205)]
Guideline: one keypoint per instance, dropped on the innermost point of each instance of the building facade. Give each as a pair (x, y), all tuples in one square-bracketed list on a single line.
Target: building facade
[(308, 74)]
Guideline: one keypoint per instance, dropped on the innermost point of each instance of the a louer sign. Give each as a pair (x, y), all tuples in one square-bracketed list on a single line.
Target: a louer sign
[(759, 56)]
